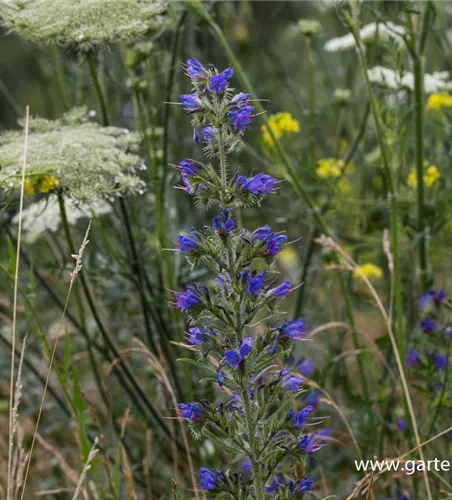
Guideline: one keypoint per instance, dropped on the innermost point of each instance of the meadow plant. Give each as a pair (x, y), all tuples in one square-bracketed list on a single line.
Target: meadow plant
[(255, 421)]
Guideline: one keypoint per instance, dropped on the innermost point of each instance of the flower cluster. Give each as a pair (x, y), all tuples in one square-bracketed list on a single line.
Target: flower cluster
[(430, 177), (279, 124), (438, 102), (260, 424), (429, 355)]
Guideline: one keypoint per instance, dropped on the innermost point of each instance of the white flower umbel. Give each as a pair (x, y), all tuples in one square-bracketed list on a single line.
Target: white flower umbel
[(395, 80), (367, 34), (44, 215)]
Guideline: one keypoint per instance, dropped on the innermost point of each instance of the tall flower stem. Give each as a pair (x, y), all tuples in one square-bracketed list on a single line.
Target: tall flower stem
[(311, 84), (251, 431)]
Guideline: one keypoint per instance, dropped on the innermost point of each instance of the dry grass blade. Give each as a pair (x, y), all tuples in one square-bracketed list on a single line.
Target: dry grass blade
[(16, 282), (77, 268), (91, 457)]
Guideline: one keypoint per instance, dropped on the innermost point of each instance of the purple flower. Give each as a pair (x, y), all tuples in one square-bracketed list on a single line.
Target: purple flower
[(195, 70), (241, 117), (189, 242), (209, 133), (247, 346), (401, 424), (412, 358), (240, 100), (223, 224), (271, 240), (191, 102), (313, 397), (210, 478), (307, 443), (303, 486), (190, 411), (220, 377), (197, 337), (254, 283), (294, 329), (196, 138), (259, 184), (190, 298), (300, 418), (290, 382), (223, 281), (246, 465), (275, 484), (219, 82), (440, 361), (435, 296), (306, 366), (280, 291), (428, 325), (188, 168), (233, 358)]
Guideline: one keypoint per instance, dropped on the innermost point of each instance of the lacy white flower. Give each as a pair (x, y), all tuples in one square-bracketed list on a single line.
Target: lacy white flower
[(367, 34), (395, 80), (84, 160), (44, 215), (77, 21)]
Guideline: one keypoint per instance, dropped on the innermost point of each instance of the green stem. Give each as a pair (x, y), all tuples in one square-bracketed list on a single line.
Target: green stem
[(251, 431), (97, 88), (311, 98), (61, 77)]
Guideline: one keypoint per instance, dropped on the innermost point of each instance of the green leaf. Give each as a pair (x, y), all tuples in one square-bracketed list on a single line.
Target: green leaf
[(197, 363)]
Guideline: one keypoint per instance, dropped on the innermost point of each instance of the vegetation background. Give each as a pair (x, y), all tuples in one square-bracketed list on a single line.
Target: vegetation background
[(340, 139)]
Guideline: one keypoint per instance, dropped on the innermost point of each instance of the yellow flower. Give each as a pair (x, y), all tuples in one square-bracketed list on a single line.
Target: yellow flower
[(279, 124), (436, 102), (288, 257), (29, 187), (48, 183), (430, 177), (329, 167), (369, 270), (344, 186)]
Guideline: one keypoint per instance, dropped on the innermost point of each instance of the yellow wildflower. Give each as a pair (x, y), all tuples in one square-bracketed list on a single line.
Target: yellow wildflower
[(29, 187), (329, 167), (288, 257), (344, 186), (369, 270), (430, 177), (436, 102), (279, 124), (48, 183)]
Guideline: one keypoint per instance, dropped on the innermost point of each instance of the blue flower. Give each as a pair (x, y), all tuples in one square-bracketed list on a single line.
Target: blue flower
[(307, 443), (189, 242), (195, 70), (223, 224), (432, 296), (280, 291), (246, 465), (209, 133), (255, 283), (240, 100), (306, 366), (247, 346), (219, 82), (295, 330), (401, 424), (210, 478), (275, 484), (303, 486), (220, 377), (196, 138), (197, 337), (259, 184), (190, 298), (313, 397), (412, 358), (190, 411), (223, 281), (440, 361), (188, 168), (300, 418), (271, 240), (241, 117), (291, 382), (191, 102), (233, 358), (428, 325)]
